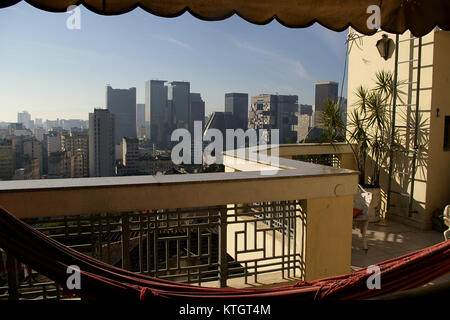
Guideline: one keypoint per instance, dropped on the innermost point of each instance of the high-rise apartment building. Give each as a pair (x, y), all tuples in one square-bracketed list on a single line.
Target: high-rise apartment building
[(101, 143), (54, 142), (237, 105), (6, 160), (24, 118), (38, 123), (32, 156), (130, 156), (76, 147), (122, 104)]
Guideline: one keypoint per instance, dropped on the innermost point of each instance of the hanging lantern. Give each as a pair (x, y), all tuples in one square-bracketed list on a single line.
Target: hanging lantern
[(383, 46)]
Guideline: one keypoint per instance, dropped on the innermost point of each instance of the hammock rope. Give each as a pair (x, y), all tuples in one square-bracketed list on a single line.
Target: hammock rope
[(101, 281)]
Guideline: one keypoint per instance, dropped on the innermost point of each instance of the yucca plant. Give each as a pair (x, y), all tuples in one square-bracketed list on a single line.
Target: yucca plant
[(368, 129)]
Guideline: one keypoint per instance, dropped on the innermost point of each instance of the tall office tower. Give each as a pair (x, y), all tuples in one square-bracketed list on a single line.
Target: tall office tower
[(101, 143), (24, 118), (77, 152), (287, 118), (237, 105), (140, 120), (324, 91), (122, 104), (275, 112), (179, 96), (130, 155), (157, 113), (196, 111), (6, 160)]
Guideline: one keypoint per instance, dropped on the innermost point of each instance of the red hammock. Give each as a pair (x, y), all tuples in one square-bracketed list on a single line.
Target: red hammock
[(101, 281)]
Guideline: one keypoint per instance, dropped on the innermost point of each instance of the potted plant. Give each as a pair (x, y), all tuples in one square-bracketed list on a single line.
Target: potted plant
[(368, 133)]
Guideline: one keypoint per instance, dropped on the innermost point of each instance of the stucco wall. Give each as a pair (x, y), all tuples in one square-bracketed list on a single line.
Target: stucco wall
[(432, 161)]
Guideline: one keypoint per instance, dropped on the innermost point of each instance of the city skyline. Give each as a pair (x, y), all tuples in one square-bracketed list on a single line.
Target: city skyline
[(64, 72)]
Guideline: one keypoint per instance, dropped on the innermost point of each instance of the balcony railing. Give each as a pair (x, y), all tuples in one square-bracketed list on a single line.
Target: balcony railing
[(217, 229)]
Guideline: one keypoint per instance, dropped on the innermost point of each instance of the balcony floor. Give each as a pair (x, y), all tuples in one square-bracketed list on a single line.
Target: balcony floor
[(389, 239)]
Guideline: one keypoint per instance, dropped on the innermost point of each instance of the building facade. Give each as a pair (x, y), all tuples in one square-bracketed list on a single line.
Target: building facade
[(76, 147), (130, 156), (419, 183), (6, 160)]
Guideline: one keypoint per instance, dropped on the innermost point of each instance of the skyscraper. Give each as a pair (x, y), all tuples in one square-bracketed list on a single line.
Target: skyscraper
[(122, 104), (140, 120), (179, 96), (196, 111), (287, 118), (101, 143), (157, 113), (324, 91), (237, 105)]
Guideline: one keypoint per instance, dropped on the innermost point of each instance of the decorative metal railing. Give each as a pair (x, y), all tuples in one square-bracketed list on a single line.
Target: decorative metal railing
[(204, 245)]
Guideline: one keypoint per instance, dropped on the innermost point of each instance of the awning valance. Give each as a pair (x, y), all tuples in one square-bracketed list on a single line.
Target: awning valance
[(396, 16)]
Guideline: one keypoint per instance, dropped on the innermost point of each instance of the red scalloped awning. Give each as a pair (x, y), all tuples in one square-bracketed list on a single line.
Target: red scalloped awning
[(397, 16)]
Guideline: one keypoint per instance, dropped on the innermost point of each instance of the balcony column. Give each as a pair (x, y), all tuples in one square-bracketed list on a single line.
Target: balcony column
[(348, 161), (328, 237)]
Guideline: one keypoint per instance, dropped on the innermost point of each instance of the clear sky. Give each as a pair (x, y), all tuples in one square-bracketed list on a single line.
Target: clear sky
[(54, 72)]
